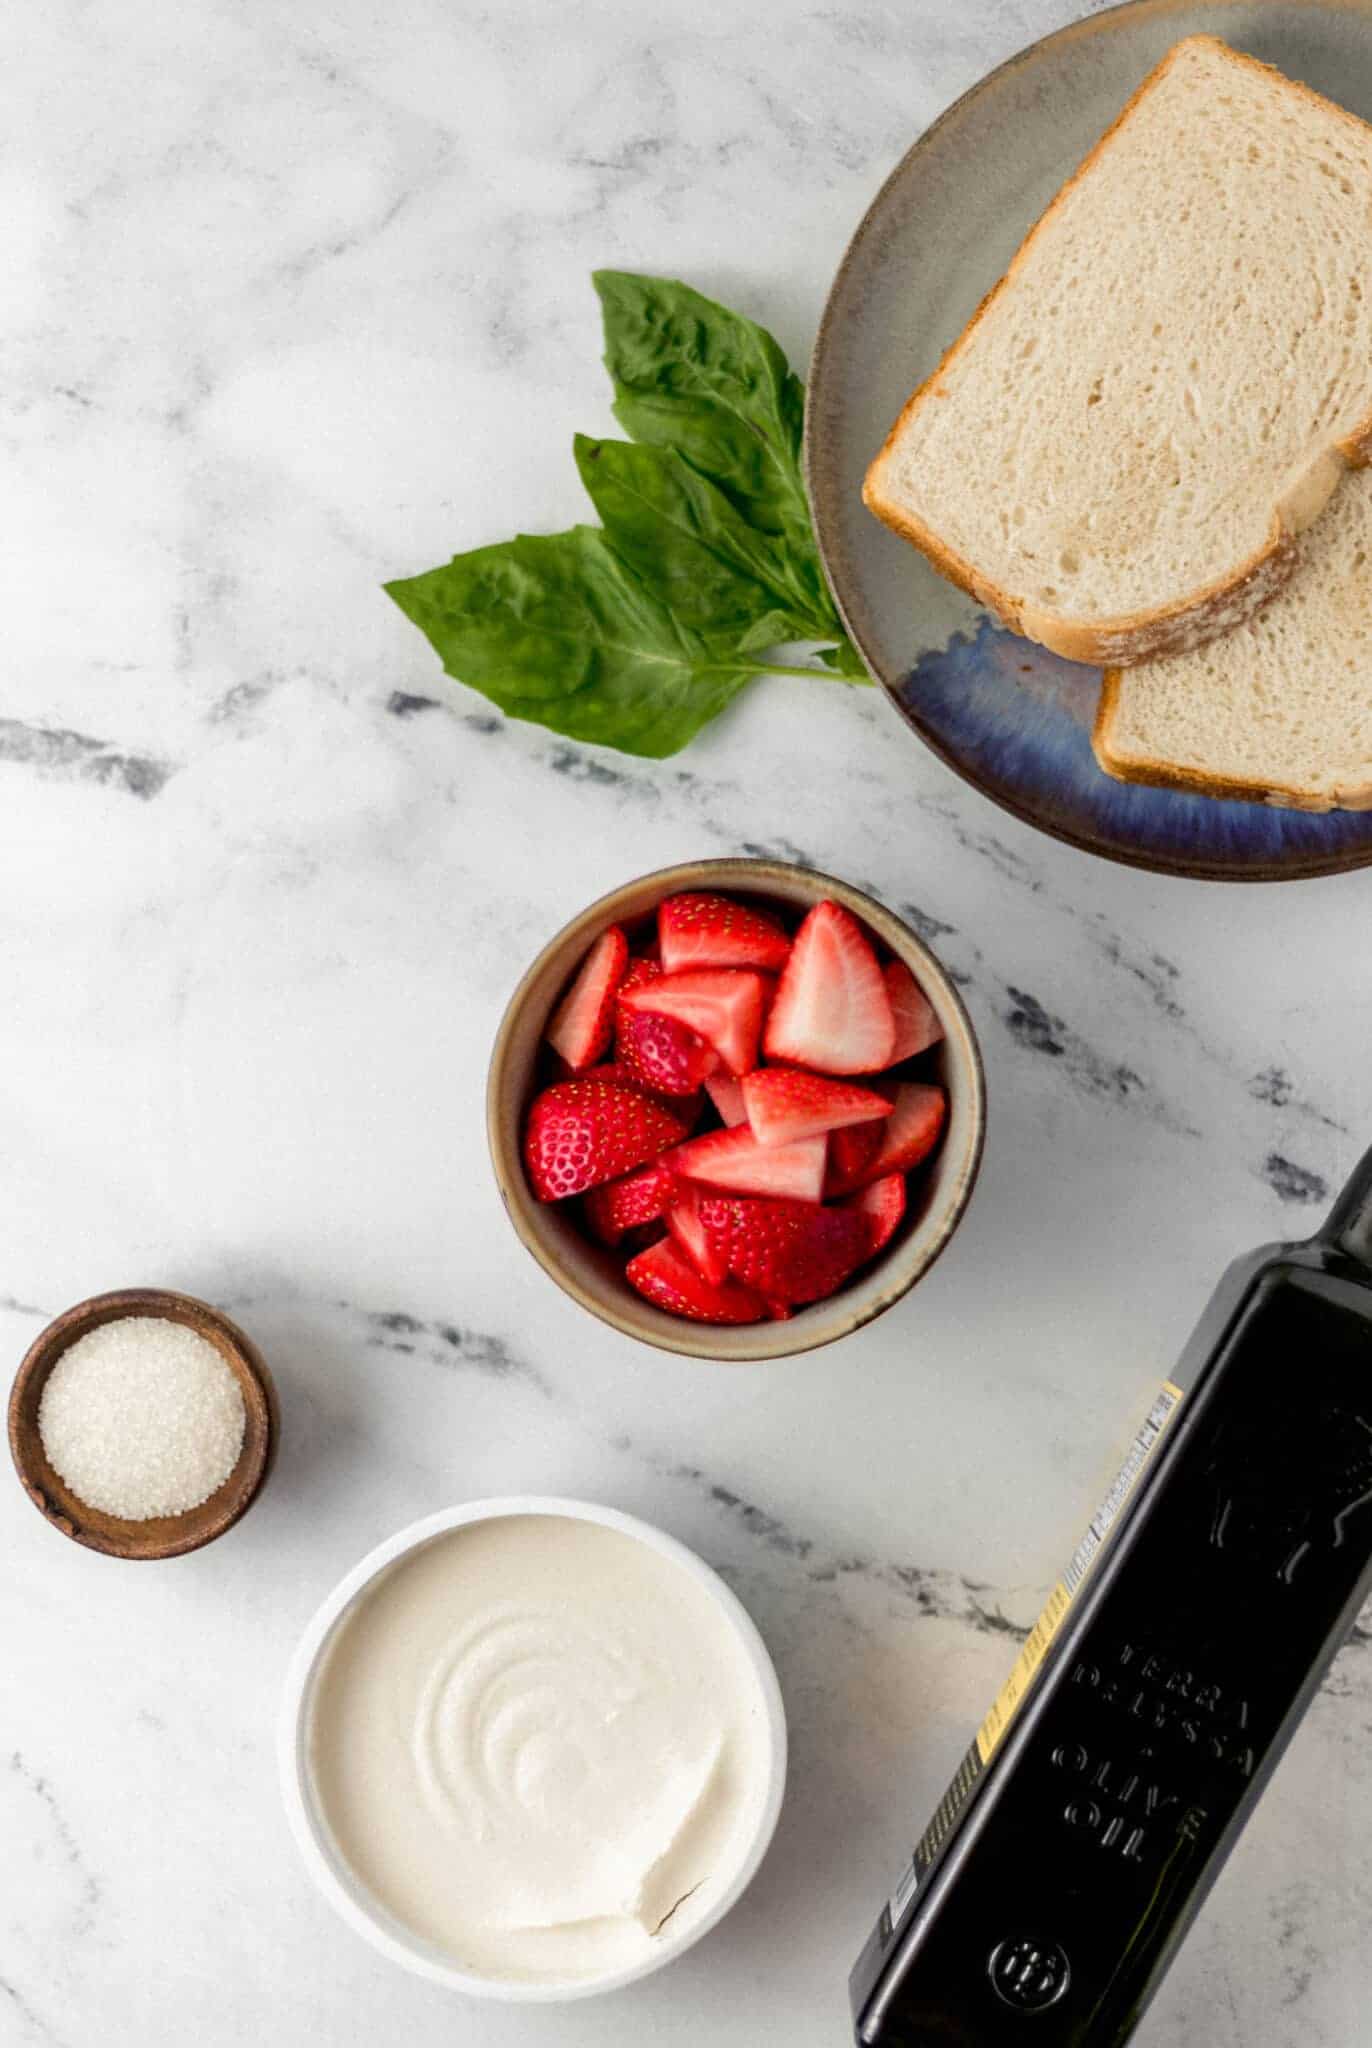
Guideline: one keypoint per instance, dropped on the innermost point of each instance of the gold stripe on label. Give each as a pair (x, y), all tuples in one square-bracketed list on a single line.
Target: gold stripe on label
[(1027, 1663), (1037, 1642)]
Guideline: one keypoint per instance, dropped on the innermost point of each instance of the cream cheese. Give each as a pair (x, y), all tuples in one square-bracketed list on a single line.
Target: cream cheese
[(540, 1744)]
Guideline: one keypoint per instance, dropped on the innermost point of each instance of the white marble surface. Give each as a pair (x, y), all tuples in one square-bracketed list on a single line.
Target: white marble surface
[(296, 298)]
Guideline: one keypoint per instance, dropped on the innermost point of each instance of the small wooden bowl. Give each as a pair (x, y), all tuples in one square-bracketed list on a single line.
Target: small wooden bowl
[(161, 1535), (588, 1272)]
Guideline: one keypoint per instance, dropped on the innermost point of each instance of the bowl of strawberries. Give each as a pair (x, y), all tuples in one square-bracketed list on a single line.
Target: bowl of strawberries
[(736, 1109)]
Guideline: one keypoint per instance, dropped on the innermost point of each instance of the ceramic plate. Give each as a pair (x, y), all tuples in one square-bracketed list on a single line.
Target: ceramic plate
[(1010, 717)]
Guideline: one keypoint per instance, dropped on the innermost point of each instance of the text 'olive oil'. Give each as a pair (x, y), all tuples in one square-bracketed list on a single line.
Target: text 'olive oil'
[(1162, 1682)]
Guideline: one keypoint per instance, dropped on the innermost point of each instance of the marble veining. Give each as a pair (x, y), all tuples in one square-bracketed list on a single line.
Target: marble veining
[(1293, 1183), (296, 301), (395, 1330), (75, 756)]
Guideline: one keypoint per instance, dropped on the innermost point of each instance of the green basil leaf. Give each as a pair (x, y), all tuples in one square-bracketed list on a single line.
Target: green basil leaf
[(636, 636), (774, 627), (845, 661), (689, 374), (675, 528), (558, 629), (769, 631)]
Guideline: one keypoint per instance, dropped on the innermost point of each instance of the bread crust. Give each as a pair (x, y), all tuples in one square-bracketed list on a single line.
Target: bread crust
[(1204, 613), (1199, 782)]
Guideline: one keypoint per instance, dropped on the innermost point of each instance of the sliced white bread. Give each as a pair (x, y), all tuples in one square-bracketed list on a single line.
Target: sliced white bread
[(1169, 381), (1280, 710)]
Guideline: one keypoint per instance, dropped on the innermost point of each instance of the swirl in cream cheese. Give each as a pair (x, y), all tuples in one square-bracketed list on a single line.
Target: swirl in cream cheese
[(539, 1743)]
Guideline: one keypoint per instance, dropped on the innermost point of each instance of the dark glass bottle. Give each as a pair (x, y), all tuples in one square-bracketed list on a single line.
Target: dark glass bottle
[(1165, 1678)]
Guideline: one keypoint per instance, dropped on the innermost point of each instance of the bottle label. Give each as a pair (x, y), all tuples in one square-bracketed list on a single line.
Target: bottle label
[(1013, 1693), (1036, 1644)]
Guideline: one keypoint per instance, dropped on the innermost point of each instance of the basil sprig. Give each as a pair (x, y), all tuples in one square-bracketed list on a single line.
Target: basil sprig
[(636, 633)]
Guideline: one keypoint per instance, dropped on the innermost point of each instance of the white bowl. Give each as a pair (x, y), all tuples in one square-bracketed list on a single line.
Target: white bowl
[(353, 1902)]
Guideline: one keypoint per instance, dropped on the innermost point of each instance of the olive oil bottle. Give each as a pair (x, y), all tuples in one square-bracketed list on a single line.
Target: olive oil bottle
[(1162, 1682)]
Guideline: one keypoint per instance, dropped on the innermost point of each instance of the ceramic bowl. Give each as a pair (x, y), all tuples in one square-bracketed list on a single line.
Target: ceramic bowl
[(161, 1535), (587, 1271), (331, 1873)]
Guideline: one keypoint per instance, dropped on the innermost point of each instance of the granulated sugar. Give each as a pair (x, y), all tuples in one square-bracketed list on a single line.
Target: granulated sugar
[(142, 1417)]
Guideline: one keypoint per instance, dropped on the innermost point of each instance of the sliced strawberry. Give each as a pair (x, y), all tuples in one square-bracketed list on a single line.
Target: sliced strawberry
[(683, 1220), (851, 1152), (642, 969), (621, 1076), (687, 1107), (832, 1011), (917, 1025), (640, 972), (727, 1096), (734, 1159), (788, 1251), (583, 1021), (579, 1133), (627, 1204), (724, 1005), (912, 1131), (663, 1276), (703, 930), (881, 1207), (665, 1054), (784, 1104)]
